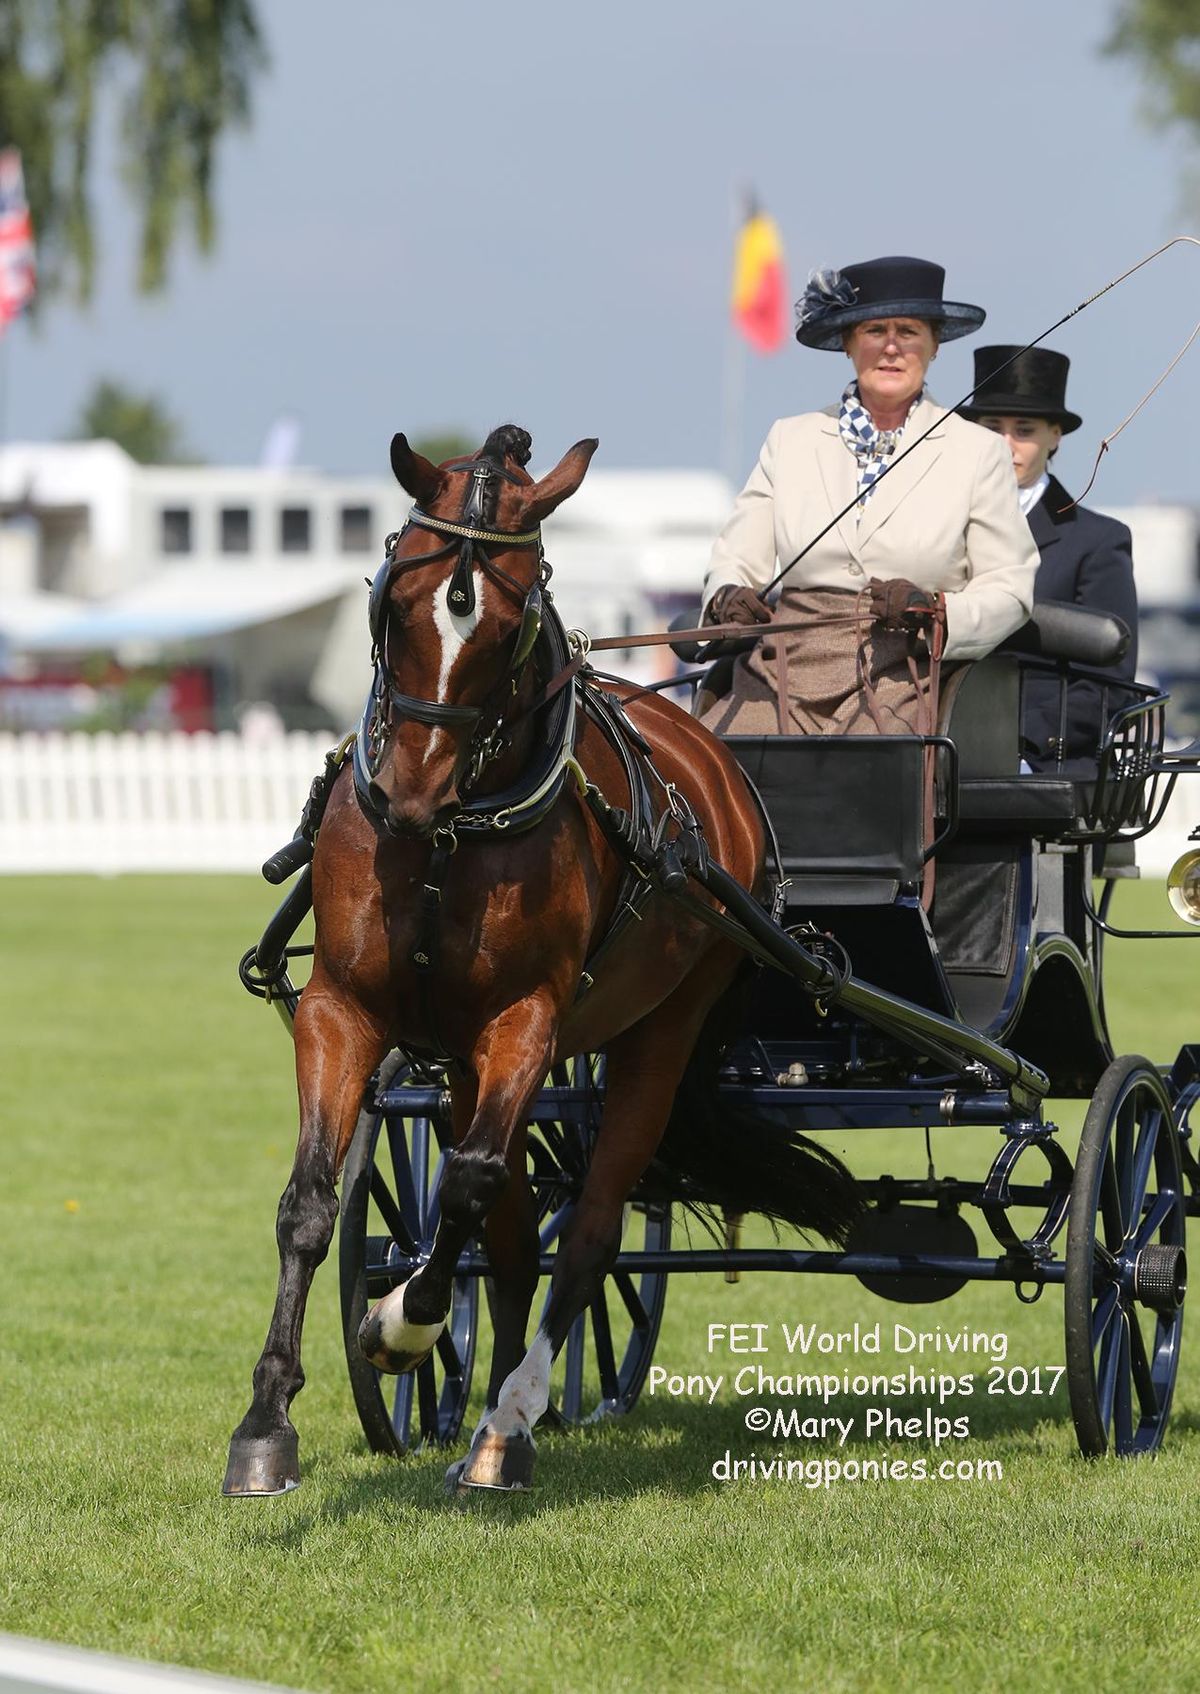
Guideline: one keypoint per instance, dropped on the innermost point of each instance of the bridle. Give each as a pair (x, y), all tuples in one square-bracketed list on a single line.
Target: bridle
[(387, 702)]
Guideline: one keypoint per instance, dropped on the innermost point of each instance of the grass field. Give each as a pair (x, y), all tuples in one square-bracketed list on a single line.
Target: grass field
[(148, 1118)]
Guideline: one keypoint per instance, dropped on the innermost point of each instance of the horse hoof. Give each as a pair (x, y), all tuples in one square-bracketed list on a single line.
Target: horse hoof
[(497, 1461), (388, 1341), (455, 1471), (263, 1465)]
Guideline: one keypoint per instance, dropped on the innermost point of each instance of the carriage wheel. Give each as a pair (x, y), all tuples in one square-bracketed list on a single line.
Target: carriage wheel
[(389, 1215), (1126, 1272), (602, 1364)]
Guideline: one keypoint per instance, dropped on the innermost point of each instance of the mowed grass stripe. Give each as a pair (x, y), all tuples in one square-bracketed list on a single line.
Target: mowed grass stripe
[(148, 1111)]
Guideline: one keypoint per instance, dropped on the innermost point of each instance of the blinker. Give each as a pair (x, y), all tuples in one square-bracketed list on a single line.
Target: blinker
[(378, 598), (530, 628)]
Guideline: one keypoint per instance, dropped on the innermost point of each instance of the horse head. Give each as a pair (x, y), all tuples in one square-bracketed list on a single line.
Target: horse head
[(454, 614)]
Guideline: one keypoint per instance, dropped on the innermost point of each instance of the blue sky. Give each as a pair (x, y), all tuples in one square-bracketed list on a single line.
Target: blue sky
[(453, 216)]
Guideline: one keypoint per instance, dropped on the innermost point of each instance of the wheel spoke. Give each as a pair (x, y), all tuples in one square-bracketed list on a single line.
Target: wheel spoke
[(1160, 1211), (427, 1401), (602, 1335), (1143, 1381), (1106, 1305), (1111, 1214), (406, 1195), (1109, 1368), (420, 1170), (447, 1352), (1123, 1431), (402, 1408), (554, 1226), (638, 1315), (390, 1212), (1143, 1162), (573, 1386), (1124, 1131)]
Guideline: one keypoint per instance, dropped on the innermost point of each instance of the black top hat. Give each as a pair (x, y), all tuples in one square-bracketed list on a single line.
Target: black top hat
[(835, 301), (1033, 385)]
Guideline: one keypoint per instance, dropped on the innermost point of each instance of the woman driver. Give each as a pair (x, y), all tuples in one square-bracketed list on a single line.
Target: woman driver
[(946, 522)]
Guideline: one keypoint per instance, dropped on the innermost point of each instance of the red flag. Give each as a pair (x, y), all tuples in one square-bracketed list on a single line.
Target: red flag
[(18, 280), (760, 283)]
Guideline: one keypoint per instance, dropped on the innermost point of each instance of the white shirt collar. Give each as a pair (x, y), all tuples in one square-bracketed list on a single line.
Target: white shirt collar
[(1030, 496)]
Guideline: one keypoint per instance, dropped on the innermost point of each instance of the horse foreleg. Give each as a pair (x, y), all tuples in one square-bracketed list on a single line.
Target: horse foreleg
[(644, 1070), (337, 1048), (510, 1063)]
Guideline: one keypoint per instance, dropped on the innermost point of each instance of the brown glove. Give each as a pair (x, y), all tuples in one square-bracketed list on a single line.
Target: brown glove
[(735, 604), (900, 605)]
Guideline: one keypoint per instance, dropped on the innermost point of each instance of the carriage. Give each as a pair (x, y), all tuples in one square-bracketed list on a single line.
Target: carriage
[(974, 1013), (866, 1003)]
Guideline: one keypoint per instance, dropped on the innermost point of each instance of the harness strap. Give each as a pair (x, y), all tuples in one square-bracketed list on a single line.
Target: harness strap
[(423, 956)]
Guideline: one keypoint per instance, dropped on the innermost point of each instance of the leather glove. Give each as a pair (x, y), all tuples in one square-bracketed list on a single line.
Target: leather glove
[(735, 604), (900, 605)]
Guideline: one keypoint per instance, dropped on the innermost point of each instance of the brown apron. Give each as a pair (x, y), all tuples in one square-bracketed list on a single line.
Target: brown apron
[(839, 674)]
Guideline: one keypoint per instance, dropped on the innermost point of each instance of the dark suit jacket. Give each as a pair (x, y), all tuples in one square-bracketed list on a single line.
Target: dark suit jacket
[(1089, 559)]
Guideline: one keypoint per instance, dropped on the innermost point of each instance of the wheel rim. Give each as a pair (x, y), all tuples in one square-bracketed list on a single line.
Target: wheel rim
[(1125, 1267), (389, 1215)]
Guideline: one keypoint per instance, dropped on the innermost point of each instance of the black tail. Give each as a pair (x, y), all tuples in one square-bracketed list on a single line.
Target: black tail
[(739, 1160)]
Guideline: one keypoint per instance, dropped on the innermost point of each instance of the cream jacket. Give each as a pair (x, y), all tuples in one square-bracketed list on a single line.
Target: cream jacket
[(946, 517)]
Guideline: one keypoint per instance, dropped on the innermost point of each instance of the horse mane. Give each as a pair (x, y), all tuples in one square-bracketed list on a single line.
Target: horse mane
[(507, 441)]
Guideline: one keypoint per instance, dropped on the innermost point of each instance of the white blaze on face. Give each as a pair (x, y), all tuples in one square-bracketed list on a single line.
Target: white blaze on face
[(454, 631)]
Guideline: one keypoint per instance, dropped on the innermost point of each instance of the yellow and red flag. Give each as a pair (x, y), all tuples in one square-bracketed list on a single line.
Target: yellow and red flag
[(760, 283)]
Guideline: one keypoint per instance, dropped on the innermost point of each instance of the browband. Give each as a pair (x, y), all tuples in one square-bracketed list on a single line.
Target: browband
[(525, 538)]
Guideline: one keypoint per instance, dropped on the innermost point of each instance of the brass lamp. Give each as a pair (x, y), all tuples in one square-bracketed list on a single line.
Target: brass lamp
[(1183, 886)]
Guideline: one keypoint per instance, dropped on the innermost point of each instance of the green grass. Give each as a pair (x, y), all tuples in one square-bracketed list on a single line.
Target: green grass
[(148, 1112)]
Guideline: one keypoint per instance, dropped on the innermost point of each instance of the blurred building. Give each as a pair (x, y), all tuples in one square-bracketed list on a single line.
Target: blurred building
[(198, 597), (254, 579)]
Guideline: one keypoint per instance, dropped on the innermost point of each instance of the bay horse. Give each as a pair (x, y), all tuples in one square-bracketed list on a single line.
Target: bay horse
[(445, 927)]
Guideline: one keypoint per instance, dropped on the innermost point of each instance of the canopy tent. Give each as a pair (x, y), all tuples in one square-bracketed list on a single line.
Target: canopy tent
[(185, 603)]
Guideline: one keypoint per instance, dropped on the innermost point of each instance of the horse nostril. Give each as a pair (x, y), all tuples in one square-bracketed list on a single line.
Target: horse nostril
[(377, 797)]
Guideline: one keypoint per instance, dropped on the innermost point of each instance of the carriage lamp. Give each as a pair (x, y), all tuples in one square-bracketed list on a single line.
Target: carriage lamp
[(1183, 884)]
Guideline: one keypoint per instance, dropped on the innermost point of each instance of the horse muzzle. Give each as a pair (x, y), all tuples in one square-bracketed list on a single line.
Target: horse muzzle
[(410, 819)]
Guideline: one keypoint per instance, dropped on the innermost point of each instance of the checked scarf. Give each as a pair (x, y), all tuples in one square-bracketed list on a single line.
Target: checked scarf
[(871, 447)]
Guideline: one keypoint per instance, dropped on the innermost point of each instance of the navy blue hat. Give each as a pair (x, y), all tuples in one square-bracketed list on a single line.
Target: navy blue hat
[(1011, 382), (835, 301)]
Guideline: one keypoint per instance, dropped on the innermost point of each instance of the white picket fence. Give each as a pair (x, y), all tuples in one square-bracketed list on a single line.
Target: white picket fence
[(113, 803)]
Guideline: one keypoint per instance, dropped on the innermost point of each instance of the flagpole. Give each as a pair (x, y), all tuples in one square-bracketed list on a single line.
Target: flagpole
[(733, 389), (733, 376)]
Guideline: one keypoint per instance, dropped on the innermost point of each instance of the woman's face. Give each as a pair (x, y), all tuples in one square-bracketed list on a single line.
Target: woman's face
[(890, 357), (1030, 441)]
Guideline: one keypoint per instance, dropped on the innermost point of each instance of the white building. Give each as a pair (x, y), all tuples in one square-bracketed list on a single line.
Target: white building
[(259, 572)]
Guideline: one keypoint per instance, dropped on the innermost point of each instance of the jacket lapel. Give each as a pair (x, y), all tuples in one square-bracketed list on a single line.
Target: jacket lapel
[(839, 473), (899, 482)]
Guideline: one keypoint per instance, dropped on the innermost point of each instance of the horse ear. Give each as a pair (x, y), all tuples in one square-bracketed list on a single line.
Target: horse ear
[(416, 476), (562, 481)]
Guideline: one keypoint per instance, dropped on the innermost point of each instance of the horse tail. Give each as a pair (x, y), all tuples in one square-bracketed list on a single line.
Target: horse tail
[(730, 1157)]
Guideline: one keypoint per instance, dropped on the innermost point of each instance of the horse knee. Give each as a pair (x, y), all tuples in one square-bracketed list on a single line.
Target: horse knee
[(471, 1184), (307, 1214)]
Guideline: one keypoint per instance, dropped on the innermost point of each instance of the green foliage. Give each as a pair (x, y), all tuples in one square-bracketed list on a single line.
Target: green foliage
[(1163, 38), (185, 69), (139, 423), (446, 444)]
